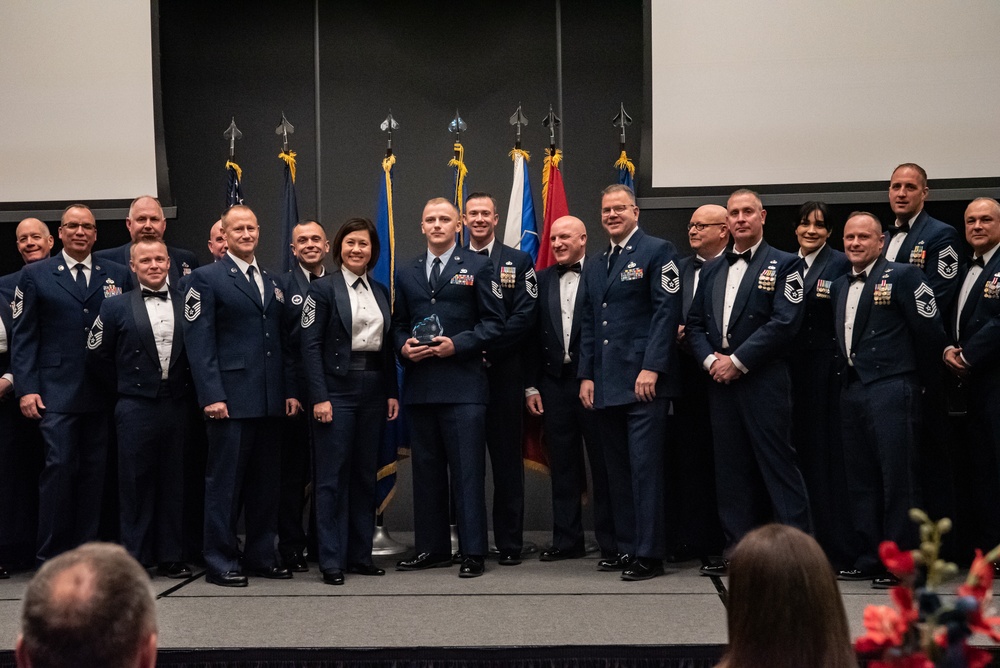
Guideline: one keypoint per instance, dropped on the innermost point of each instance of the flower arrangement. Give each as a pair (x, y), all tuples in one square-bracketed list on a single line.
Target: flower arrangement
[(921, 630)]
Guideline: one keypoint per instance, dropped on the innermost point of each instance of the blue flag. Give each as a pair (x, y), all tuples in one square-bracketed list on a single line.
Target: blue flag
[(521, 231), (626, 170), (289, 209), (461, 191), (234, 191)]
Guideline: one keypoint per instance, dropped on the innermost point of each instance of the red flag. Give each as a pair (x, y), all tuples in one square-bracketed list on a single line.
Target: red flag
[(554, 197)]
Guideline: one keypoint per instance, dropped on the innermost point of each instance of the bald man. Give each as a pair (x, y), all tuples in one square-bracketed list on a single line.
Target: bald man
[(34, 242), (217, 242), (708, 236), (553, 395), (146, 222)]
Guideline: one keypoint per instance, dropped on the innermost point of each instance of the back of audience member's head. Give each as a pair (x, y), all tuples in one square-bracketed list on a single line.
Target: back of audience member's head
[(784, 609), (92, 606)]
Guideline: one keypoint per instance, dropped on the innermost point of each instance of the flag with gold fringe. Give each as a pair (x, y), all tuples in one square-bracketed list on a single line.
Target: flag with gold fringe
[(234, 188), (521, 231), (289, 209), (461, 190), (555, 206), (626, 170)]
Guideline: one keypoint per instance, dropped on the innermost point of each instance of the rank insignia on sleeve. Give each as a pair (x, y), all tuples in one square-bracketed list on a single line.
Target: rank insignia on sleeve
[(497, 292), (767, 279), (883, 293), (192, 305), (17, 306), (823, 289), (279, 295), (670, 278), (531, 283), (918, 256), (926, 306), (947, 265), (296, 299), (793, 288), (96, 334), (308, 313)]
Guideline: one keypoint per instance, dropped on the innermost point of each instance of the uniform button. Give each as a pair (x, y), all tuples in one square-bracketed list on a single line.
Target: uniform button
[(605, 323), (265, 317), (605, 342), (604, 305), (268, 353), (267, 335), (137, 368), (86, 310), (433, 301)]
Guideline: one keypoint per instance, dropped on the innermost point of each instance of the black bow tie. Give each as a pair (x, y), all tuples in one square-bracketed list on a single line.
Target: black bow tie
[(484, 251), (732, 257), (698, 263), (161, 294), (903, 226), (563, 268), (859, 277), (978, 261)]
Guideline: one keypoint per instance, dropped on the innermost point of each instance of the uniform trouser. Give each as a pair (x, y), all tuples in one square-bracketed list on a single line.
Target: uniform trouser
[(448, 439), (21, 454), (569, 428), (151, 440), (295, 475), (243, 471), (72, 483), (880, 423), (346, 456), (633, 440), (504, 422), (757, 478)]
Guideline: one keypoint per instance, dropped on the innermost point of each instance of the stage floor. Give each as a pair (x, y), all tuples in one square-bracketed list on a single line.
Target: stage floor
[(535, 604)]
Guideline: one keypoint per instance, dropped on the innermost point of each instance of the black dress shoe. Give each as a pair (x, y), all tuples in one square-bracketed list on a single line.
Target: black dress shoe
[(717, 568), (643, 568), (365, 569), (555, 554), (423, 561), (887, 581), (509, 558), (333, 577), (618, 563), (174, 570), (4, 574), (227, 579), (296, 561), (271, 573), (854, 575), (457, 558), (472, 567)]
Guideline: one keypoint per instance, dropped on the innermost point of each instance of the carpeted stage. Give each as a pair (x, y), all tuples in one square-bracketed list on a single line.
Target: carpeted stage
[(536, 614)]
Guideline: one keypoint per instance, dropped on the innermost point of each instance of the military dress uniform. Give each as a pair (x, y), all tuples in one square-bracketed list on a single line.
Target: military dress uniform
[(233, 335), (182, 262), (137, 344), (52, 313), (446, 398)]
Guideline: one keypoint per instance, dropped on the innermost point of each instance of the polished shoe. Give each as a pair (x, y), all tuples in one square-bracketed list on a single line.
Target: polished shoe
[(887, 581), (457, 558), (555, 554), (854, 575), (271, 573), (175, 570), (365, 569), (423, 561), (472, 567), (643, 568), (226, 579), (333, 577), (717, 568), (4, 574), (617, 563), (996, 569), (296, 562), (509, 558)]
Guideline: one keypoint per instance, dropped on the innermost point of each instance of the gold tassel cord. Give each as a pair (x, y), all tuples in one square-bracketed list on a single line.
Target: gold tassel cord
[(387, 164), (551, 161), (461, 172), (520, 152), (289, 159), (625, 163), (233, 165)]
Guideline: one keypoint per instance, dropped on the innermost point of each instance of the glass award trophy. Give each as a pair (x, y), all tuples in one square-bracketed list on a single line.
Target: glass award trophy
[(425, 331)]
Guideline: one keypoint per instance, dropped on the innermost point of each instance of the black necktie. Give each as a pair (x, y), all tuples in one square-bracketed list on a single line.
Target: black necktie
[(161, 294), (435, 272), (732, 257), (615, 252), (978, 261), (859, 277), (563, 268), (312, 277), (484, 251), (698, 263), (250, 273), (81, 280)]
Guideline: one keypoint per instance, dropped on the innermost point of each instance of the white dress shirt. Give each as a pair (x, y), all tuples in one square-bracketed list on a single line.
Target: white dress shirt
[(970, 279), (851, 308), (257, 278), (87, 263), (161, 318), (444, 257), (809, 260), (366, 316), (896, 241)]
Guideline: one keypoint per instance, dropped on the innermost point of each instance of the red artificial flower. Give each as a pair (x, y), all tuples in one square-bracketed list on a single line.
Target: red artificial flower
[(985, 625), (903, 598), (917, 660), (885, 628), (899, 562), (980, 577), (977, 658)]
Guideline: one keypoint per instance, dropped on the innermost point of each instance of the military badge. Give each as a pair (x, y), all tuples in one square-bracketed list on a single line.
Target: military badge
[(308, 313), (793, 288), (823, 289), (924, 296), (463, 279), (497, 292), (883, 293), (17, 306), (918, 256), (192, 305), (531, 283), (947, 265), (96, 334), (61, 268), (767, 279), (991, 290), (508, 274), (631, 272), (185, 269), (296, 299), (279, 295), (110, 281), (110, 290), (670, 278)]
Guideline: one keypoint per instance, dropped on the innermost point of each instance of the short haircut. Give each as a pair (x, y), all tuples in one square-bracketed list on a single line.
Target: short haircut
[(73, 206), (131, 206), (989, 200), (235, 207), (867, 214), (92, 606), (482, 195), (811, 206), (784, 608), (146, 242), (440, 200), (357, 225), (745, 191), (915, 167), (619, 188), (310, 222)]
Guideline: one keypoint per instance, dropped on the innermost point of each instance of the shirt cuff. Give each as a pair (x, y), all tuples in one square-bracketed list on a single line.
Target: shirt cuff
[(944, 353), (9, 377), (530, 392), (738, 364), (709, 361)]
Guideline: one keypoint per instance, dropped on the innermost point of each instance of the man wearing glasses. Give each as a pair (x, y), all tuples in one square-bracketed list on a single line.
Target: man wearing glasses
[(55, 302)]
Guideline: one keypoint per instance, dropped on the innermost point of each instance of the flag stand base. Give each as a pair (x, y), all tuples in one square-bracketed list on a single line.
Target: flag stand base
[(383, 544)]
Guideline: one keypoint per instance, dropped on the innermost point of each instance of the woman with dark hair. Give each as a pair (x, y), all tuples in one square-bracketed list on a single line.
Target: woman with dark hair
[(351, 372), (816, 386), (784, 608)]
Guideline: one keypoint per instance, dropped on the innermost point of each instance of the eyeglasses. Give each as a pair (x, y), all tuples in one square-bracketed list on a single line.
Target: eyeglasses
[(73, 227), (618, 209), (701, 226)]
